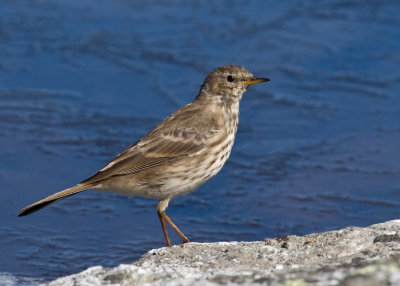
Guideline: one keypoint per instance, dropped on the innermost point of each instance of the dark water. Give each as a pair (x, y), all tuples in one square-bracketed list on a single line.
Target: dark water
[(317, 147)]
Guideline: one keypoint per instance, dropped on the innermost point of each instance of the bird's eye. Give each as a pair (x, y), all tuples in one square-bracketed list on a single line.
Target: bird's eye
[(230, 78)]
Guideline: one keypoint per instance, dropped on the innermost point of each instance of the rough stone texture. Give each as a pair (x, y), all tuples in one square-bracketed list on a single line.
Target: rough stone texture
[(351, 256)]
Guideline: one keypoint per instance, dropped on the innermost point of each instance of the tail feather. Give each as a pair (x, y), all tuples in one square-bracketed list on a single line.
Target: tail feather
[(51, 199)]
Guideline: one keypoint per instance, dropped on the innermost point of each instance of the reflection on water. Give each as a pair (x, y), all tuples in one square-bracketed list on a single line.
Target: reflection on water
[(317, 147)]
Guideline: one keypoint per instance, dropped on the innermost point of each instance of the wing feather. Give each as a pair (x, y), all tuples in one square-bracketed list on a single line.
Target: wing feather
[(176, 137)]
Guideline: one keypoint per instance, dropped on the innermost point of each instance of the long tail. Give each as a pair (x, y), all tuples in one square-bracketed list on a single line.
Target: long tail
[(51, 199)]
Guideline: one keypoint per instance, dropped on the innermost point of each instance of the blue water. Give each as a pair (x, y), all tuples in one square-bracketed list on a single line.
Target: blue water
[(317, 147)]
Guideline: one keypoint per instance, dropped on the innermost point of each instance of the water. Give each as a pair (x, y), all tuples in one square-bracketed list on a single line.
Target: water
[(316, 149)]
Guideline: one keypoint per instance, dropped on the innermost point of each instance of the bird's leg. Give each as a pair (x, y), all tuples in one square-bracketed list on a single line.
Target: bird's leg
[(178, 231), (164, 228), (161, 206)]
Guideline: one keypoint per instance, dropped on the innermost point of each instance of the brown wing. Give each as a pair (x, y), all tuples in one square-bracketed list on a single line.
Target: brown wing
[(180, 135)]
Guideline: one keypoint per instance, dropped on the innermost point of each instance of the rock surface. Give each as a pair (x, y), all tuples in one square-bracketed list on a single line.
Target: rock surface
[(351, 256)]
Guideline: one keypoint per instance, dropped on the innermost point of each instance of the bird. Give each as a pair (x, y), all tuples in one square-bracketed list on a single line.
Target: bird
[(181, 153)]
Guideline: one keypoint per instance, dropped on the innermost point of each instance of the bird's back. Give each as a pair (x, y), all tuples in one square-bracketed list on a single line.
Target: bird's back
[(174, 158)]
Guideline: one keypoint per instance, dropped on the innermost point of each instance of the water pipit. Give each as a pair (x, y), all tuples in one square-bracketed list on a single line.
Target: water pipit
[(179, 154)]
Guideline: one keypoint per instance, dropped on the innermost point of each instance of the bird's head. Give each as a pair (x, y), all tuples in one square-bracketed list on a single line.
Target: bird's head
[(229, 82)]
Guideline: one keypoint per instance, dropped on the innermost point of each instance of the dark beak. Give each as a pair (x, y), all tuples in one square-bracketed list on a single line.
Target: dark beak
[(255, 80)]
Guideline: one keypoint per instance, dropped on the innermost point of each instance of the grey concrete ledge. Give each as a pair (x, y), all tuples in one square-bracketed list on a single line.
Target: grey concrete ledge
[(351, 256)]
